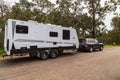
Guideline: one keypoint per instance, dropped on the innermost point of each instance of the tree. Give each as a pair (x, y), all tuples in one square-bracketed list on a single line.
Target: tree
[(44, 5), (42, 8), (64, 6), (113, 35), (116, 29), (69, 13), (22, 10), (63, 11), (3, 8), (1, 40), (82, 24), (97, 12), (115, 22)]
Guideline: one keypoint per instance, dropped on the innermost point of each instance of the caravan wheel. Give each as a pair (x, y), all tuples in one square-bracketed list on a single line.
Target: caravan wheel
[(44, 55), (38, 54), (53, 54), (32, 55)]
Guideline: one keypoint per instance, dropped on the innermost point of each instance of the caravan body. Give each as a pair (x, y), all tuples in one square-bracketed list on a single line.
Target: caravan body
[(21, 36)]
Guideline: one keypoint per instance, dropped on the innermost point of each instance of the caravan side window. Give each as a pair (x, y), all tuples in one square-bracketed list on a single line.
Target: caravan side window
[(53, 34), (21, 29), (66, 35)]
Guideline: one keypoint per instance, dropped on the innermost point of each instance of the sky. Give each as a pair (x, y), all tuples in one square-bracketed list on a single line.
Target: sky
[(107, 18)]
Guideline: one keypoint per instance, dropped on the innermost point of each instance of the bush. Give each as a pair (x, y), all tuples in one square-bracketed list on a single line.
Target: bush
[(1, 40), (1, 52)]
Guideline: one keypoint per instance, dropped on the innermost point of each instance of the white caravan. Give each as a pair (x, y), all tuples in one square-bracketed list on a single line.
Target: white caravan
[(38, 39)]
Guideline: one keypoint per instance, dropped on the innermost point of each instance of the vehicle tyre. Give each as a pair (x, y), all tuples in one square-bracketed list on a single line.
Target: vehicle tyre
[(32, 55), (38, 54), (43, 55), (60, 51), (79, 50), (91, 49), (101, 48), (53, 54), (33, 51)]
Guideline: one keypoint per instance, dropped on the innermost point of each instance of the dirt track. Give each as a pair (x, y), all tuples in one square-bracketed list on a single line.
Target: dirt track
[(103, 65)]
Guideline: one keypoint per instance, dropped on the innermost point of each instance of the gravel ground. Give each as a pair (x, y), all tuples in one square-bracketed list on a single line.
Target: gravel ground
[(103, 65)]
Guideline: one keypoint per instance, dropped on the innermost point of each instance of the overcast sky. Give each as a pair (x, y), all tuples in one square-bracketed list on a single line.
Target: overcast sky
[(107, 19)]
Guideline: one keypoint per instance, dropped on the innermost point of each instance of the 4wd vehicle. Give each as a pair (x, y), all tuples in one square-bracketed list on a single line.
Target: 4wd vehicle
[(89, 44)]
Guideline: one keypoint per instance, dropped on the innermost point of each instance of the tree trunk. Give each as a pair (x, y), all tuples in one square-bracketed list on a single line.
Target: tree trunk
[(93, 21)]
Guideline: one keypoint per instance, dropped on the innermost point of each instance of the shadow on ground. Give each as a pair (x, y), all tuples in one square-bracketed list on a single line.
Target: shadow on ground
[(26, 59)]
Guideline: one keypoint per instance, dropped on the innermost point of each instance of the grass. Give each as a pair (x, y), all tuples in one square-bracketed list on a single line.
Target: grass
[(111, 45), (1, 52)]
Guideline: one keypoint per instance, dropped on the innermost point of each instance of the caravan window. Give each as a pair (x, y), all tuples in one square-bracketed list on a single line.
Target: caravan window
[(22, 29), (66, 34), (53, 34)]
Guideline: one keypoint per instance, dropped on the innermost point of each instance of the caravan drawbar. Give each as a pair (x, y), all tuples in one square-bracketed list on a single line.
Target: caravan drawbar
[(38, 39)]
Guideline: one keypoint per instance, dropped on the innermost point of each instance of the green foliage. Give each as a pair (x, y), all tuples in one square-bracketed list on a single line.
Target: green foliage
[(2, 52), (1, 39), (98, 12), (115, 22), (113, 35), (22, 10)]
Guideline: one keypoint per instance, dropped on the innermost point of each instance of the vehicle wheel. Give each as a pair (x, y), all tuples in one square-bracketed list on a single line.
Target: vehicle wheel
[(38, 54), (44, 55), (79, 50), (53, 54), (101, 48), (91, 49), (60, 51), (33, 51), (32, 55)]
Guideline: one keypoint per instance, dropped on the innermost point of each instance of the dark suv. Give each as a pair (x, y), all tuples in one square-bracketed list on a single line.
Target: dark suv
[(90, 44)]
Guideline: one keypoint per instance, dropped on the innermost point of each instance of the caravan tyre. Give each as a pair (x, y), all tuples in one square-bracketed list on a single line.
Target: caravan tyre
[(53, 54), (32, 55), (43, 55), (38, 55)]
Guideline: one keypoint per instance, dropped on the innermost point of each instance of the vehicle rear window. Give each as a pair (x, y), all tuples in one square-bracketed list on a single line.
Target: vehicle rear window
[(90, 40), (82, 40)]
